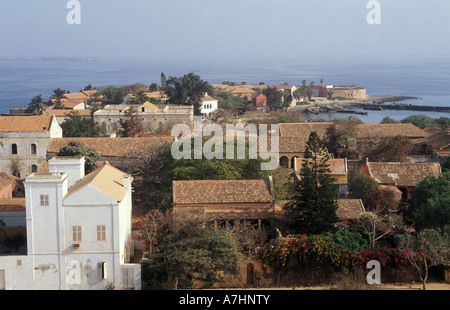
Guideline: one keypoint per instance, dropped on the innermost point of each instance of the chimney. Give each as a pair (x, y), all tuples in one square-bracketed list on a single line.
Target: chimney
[(271, 189), (127, 181), (72, 165)]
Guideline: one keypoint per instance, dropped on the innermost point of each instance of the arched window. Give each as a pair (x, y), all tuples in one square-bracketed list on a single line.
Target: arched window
[(33, 149), (284, 162), (14, 149), (15, 172), (34, 168)]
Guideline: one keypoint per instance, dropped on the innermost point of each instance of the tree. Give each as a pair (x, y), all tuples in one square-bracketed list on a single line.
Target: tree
[(388, 120), (313, 208), (427, 248), (298, 94), (376, 225), (195, 251), (445, 165), (153, 228), (77, 126), (429, 205), (229, 102), (341, 137), (372, 195), (215, 168), (37, 105), (59, 105), (443, 122), (140, 97), (361, 186), (57, 93), (132, 123), (115, 94), (153, 87), (421, 121), (330, 94), (155, 173), (391, 149), (109, 92), (274, 99), (163, 79), (186, 90), (75, 148)]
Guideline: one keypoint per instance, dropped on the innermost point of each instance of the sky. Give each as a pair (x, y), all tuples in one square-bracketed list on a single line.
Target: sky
[(276, 29)]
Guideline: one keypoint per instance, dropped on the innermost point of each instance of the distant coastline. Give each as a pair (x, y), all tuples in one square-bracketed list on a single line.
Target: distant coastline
[(56, 59), (371, 102)]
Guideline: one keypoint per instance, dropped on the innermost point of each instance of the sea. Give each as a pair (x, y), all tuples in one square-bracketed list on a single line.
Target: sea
[(427, 80)]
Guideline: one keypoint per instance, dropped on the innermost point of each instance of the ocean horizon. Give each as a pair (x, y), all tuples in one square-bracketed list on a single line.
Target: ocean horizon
[(429, 81)]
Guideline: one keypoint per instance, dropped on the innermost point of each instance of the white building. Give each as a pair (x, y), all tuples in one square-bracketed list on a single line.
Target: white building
[(78, 231), (24, 141), (209, 105)]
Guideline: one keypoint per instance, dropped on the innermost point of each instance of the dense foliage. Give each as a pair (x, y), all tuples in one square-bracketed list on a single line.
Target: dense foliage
[(77, 126), (186, 90), (187, 249), (75, 148), (429, 205), (332, 252)]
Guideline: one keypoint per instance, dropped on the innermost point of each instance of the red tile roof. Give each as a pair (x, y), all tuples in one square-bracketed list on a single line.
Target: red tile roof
[(402, 174), (220, 191), (350, 208), (25, 123), (12, 205), (113, 147)]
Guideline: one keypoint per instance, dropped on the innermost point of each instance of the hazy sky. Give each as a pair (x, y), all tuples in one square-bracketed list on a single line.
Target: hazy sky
[(232, 28)]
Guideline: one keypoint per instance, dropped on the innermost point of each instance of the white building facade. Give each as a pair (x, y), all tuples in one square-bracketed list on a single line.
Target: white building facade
[(24, 141), (209, 105), (78, 231)]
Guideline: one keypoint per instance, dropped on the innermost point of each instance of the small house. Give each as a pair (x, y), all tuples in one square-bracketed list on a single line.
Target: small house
[(403, 175), (220, 201)]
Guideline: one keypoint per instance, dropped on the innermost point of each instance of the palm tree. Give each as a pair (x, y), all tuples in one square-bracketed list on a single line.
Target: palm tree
[(330, 94), (139, 98), (37, 105), (298, 93), (59, 105), (153, 87)]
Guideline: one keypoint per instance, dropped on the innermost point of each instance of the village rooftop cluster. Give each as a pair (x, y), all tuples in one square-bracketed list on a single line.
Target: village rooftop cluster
[(80, 174)]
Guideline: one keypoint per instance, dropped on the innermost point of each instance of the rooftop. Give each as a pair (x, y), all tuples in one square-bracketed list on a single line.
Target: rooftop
[(338, 166), (6, 179), (402, 174), (221, 191), (25, 123), (66, 112), (113, 147), (364, 131), (72, 96), (105, 178), (12, 205), (438, 139), (350, 208)]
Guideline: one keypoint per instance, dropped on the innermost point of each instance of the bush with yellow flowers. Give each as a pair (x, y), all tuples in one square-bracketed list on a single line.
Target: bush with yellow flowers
[(276, 254)]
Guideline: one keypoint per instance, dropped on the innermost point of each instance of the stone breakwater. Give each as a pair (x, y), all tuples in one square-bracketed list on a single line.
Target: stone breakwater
[(372, 102), (400, 106), (394, 103)]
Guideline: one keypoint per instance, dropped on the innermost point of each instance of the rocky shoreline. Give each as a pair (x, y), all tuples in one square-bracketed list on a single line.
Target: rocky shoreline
[(371, 102)]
